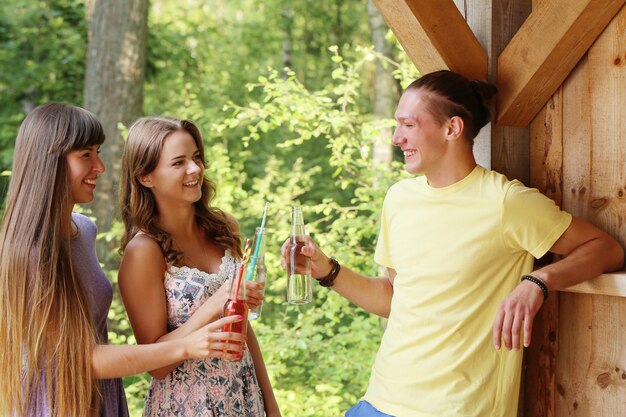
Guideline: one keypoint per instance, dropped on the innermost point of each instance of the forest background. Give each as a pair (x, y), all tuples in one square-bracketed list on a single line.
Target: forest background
[(295, 100)]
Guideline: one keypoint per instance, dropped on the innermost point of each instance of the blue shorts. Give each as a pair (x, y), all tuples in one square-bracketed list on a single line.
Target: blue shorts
[(365, 409)]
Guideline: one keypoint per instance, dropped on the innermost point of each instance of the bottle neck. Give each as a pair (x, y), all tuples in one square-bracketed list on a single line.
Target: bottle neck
[(297, 221), (238, 285)]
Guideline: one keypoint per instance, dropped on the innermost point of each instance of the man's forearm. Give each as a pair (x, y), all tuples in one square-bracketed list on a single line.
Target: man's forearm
[(371, 294), (587, 261)]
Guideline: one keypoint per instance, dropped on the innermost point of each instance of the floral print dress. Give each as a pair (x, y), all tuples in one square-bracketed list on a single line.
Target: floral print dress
[(209, 387)]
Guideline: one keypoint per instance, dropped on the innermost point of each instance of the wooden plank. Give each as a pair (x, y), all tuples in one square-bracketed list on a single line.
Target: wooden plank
[(435, 36), (540, 363), (607, 82), (546, 149), (509, 145), (613, 284), (544, 51), (577, 141), (592, 328), (595, 120), (546, 174), (591, 365)]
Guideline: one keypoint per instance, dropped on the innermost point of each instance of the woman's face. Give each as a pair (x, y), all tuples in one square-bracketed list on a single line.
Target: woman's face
[(179, 172), (84, 166), (418, 134)]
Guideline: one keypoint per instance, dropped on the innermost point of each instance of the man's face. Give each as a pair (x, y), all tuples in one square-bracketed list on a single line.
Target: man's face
[(418, 134)]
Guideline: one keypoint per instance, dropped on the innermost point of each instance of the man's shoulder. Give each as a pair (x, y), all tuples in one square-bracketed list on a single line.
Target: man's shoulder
[(407, 183), (497, 183)]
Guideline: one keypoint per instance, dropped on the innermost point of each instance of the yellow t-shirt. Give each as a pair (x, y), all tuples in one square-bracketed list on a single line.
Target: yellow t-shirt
[(458, 251)]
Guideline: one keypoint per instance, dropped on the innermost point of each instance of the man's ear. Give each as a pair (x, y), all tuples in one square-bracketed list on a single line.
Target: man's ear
[(145, 180), (455, 127)]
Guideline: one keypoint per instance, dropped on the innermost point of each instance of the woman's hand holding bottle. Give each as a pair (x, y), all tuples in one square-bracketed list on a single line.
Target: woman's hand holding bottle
[(211, 341), (254, 292)]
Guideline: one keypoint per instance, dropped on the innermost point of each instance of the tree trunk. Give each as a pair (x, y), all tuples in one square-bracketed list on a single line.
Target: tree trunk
[(115, 73), (386, 94), (287, 23)]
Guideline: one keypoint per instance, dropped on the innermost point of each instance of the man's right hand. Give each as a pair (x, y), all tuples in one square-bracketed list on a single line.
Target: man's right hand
[(320, 263)]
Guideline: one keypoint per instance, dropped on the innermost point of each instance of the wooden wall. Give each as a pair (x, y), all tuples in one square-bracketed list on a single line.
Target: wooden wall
[(576, 365)]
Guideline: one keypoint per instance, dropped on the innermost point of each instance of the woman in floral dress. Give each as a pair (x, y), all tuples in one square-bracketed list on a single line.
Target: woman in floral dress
[(178, 255)]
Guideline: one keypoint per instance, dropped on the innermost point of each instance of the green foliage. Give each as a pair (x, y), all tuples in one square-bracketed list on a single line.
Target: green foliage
[(293, 145), (42, 58), (312, 148)]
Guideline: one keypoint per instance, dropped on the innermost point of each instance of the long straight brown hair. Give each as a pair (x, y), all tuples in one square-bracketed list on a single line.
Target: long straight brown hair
[(46, 330), (139, 209)]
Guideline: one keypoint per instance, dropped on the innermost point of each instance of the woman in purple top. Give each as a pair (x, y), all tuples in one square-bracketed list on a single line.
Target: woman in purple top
[(54, 297)]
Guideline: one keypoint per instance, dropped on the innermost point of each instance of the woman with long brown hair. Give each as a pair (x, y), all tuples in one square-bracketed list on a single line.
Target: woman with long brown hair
[(179, 252), (54, 297)]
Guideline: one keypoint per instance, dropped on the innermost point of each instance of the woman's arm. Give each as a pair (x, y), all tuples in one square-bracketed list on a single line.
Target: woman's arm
[(271, 406), (141, 285), (116, 361)]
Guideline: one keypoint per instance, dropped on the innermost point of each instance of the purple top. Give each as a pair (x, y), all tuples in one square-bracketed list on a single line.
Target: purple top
[(100, 294)]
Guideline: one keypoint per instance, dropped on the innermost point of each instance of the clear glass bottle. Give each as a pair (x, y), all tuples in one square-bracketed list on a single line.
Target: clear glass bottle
[(299, 289)]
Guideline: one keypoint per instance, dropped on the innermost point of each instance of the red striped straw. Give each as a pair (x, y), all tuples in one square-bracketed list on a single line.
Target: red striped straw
[(246, 249)]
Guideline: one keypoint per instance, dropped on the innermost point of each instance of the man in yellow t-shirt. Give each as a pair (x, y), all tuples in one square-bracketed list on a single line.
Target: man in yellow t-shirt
[(445, 300), (458, 243)]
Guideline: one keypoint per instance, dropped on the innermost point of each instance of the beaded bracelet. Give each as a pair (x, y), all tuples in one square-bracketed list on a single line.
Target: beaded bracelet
[(329, 279), (539, 282)]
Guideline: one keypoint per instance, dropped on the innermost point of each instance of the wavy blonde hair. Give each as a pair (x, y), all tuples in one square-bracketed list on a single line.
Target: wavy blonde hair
[(139, 209), (46, 331)]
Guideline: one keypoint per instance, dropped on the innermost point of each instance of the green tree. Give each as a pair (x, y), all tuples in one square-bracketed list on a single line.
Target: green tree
[(42, 58), (319, 355), (114, 78)]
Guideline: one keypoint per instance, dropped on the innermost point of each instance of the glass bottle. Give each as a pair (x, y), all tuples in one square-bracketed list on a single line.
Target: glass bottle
[(299, 289), (236, 304), (257, 272)]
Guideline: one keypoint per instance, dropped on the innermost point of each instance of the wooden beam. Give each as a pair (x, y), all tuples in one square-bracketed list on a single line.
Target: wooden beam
[(435, 36), (606, 284), (544, 51)]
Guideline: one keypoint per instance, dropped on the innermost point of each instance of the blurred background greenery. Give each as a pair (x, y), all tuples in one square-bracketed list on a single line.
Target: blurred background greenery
[(293, 104)]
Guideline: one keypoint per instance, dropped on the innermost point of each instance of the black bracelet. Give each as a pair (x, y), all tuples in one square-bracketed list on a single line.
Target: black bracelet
[(329, 279), (539, 282)]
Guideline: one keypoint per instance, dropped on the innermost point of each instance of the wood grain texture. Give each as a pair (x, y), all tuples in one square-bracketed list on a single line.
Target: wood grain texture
[(607, 83), (613, 284), (546, 149), (435, 36), (595, 126), (546, 174), (510, 151), (577, 141), (591, 368), (544, 51), (591, 376)]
